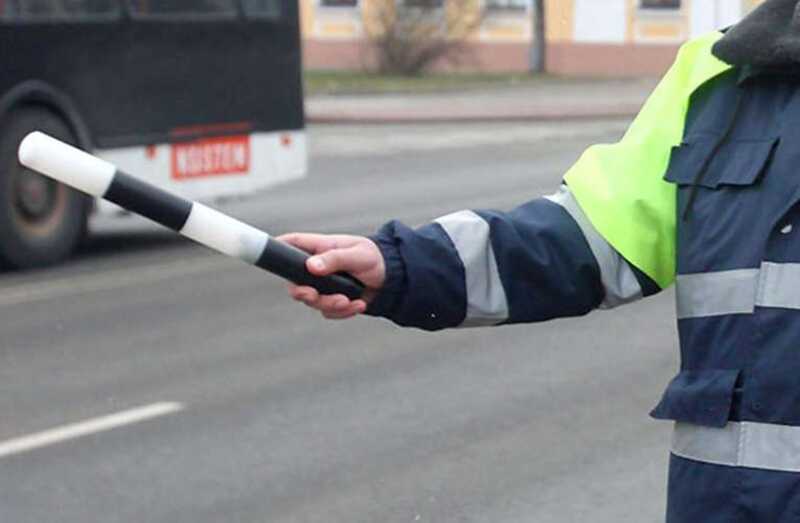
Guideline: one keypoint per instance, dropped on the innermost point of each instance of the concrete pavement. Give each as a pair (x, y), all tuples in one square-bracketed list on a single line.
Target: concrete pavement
[(548, 99)]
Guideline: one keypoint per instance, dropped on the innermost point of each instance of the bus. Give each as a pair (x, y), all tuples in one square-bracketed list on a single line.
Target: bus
[(200, 97)]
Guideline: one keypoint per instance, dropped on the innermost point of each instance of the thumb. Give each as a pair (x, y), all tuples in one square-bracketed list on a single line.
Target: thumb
[(335, 260)]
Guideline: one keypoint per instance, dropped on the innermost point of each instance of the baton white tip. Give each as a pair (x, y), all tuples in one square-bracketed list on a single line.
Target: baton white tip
[(65, 163), (29, 147)]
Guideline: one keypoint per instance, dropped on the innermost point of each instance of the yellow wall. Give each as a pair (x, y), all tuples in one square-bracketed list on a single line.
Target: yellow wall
[(657, 26), (560, 18), (372, 11), (307, 17), (336, 23)]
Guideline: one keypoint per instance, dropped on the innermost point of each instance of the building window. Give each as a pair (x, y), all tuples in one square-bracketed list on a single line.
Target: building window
[(503, 5), (425, 4), (338, 3), (660, 4)]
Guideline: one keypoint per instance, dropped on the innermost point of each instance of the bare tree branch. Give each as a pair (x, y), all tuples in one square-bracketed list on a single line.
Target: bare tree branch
[(409, 37)]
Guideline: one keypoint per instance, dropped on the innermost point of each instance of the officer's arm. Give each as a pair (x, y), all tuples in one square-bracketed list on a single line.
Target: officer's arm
[(540, 261)]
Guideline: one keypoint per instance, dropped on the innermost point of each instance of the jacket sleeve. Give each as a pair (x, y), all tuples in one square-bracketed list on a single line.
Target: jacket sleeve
[(540, 261)]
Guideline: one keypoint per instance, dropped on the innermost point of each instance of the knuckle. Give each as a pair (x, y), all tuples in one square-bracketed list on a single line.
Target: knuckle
[(333, 258), (310, 301)]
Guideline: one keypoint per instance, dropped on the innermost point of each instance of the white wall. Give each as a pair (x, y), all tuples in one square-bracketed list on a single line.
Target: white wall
[(710, 15), (601, 20)]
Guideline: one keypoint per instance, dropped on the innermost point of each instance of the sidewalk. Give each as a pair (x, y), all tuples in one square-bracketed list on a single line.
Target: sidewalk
[(551, 99)]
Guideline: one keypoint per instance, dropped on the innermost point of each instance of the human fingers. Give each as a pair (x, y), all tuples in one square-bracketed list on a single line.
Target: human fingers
[(311, 243), (352, 309), (316, 243), (305, 294), (332, 307), (352, 260)]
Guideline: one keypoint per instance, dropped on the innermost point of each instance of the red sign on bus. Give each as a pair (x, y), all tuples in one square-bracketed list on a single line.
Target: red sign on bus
[(206, 157)]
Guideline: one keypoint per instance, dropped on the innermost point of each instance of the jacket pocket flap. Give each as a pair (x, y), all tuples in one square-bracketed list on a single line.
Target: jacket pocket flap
[(702, 397), (735, 163)]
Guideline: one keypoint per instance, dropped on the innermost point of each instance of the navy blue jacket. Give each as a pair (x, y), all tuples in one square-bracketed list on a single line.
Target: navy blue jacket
[(736, 399)]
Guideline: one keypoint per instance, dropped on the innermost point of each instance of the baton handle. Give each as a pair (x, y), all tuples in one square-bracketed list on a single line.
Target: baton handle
[(289, 262), (206, 226)]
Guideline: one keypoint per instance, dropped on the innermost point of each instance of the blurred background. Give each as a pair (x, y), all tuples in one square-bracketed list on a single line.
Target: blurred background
[(575, 37), (144, 378)]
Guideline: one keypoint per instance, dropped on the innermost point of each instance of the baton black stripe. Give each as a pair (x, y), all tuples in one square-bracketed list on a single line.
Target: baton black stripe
[(149, 201)]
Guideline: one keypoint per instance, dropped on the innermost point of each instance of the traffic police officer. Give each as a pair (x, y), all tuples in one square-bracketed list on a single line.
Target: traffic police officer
[(702, 191)]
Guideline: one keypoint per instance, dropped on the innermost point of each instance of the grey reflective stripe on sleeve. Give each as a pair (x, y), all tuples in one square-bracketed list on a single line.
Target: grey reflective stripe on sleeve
[(619, 281), (740, 444), (778, 285), (716, 293), (486, 297)]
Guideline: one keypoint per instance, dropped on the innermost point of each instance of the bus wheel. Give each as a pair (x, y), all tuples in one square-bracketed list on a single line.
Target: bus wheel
[(41, 221)]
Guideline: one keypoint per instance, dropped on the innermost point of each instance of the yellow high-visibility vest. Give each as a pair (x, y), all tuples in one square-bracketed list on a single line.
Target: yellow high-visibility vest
[(620, 187)]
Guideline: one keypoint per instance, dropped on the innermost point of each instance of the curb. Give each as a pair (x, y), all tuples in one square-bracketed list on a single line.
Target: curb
[(415, 117)]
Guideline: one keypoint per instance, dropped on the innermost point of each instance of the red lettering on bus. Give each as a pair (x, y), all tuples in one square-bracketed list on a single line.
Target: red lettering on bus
[(205, 157)]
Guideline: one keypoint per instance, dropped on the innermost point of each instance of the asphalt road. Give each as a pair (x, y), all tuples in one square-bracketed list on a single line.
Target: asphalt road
[(232, 404)]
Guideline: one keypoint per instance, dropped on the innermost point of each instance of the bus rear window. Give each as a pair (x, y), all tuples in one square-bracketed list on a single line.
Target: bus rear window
[(184, 9), (21, 11)]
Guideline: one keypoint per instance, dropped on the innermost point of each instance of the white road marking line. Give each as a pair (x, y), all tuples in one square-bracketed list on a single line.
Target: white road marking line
[(115, 279), (85, 428)]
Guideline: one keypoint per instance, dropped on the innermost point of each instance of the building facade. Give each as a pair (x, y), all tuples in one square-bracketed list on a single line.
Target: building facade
[(584, 37)]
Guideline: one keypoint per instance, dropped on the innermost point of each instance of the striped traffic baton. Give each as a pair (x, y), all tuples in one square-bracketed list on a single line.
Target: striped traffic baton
[(209, 227)]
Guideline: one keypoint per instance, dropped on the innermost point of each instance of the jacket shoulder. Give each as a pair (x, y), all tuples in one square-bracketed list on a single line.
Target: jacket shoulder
[(696, 63), (620, 187)]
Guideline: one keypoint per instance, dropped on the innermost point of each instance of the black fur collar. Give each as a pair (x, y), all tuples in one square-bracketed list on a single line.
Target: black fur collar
[(768, 38)]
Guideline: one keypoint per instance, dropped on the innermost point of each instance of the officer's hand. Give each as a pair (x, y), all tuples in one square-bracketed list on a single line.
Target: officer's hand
[(355, 255)]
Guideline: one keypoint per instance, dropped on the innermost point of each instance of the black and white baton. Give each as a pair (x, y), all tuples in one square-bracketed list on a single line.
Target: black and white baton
[(202, 224)]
